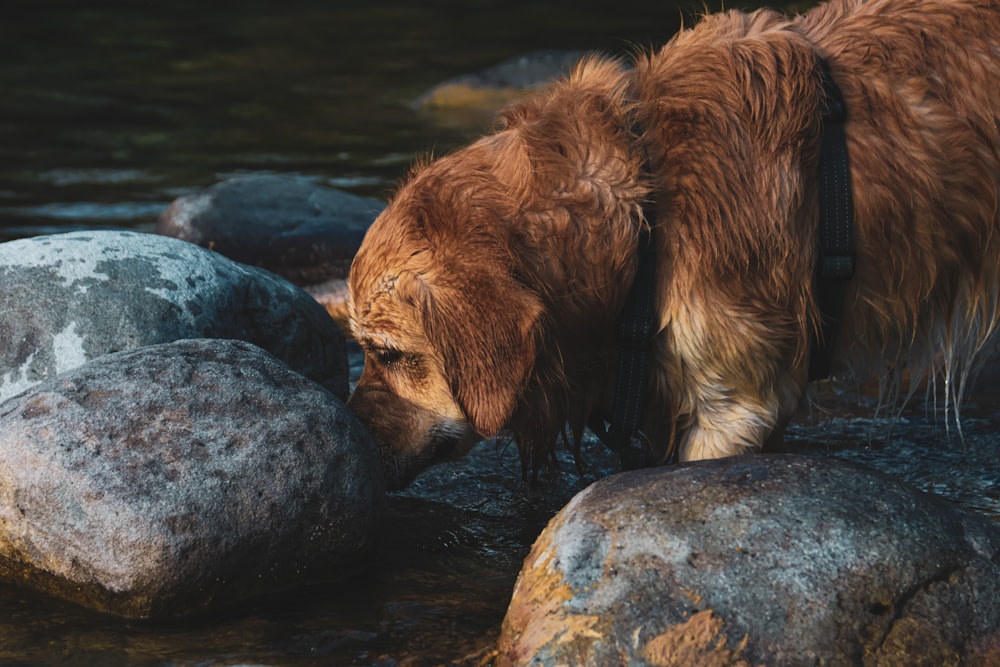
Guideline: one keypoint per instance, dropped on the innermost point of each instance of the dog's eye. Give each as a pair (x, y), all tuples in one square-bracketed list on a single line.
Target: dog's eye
[(387, 356)]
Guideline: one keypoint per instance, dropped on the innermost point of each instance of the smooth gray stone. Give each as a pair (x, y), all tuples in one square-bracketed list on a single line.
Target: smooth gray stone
[(70, 298), (161, 480), (304, 232)]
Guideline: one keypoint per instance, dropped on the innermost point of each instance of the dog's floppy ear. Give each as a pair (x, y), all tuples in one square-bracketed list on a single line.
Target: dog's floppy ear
[(485, 325)]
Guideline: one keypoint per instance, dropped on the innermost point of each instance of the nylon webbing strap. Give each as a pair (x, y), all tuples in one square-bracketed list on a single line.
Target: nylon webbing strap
[(635, 332), (836, 259)]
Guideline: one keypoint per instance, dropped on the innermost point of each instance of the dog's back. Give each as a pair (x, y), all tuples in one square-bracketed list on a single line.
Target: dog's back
[(921, 80), (739, 105)]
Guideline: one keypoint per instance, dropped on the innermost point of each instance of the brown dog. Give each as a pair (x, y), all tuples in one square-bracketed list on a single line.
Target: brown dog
[(485, 295)]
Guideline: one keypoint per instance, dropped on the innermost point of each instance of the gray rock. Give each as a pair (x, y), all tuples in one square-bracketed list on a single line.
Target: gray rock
[(286, 224), (164, 479), (70, 298), (777, 560)]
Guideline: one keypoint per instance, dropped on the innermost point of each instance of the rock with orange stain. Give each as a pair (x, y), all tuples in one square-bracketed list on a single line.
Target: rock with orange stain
[(776, 560), (496, 86)]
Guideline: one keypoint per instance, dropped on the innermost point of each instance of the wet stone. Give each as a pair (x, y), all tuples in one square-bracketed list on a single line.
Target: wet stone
[(70, 298), (777, 560), (291, 226), (165, 479)]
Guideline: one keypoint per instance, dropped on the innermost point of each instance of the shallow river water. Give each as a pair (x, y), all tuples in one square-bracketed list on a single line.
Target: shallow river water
[(109, 112)]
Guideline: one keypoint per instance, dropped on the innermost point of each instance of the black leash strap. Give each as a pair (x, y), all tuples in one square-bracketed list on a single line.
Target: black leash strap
[(635, 333), (835, 263)]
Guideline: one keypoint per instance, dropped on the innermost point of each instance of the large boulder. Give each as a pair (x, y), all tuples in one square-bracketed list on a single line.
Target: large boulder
[(70, 298), (164, 479), (776, 560)]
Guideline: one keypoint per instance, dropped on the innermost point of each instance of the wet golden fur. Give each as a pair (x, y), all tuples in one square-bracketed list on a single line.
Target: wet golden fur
[(485, 294)]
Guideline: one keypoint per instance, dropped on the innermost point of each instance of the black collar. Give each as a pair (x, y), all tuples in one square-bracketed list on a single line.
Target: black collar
[(637, 323), (635, 331), (634, 334), (836, 259)]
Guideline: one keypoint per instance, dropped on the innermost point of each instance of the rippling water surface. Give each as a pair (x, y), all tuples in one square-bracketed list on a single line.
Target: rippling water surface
[(112, 109)]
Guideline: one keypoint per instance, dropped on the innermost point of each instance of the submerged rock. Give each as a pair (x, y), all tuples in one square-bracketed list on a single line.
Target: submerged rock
[(161, 480), (497, 86), (70, 298), (777, 560)]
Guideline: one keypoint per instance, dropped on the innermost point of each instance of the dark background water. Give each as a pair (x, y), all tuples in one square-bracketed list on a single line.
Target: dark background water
[(110, 110)]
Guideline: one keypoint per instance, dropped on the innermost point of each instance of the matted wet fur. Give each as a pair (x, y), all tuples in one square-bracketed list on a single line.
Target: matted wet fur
[(485, 295)]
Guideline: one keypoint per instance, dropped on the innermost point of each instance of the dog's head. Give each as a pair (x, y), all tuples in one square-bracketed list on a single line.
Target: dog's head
[(448, 329), (494, 275)]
